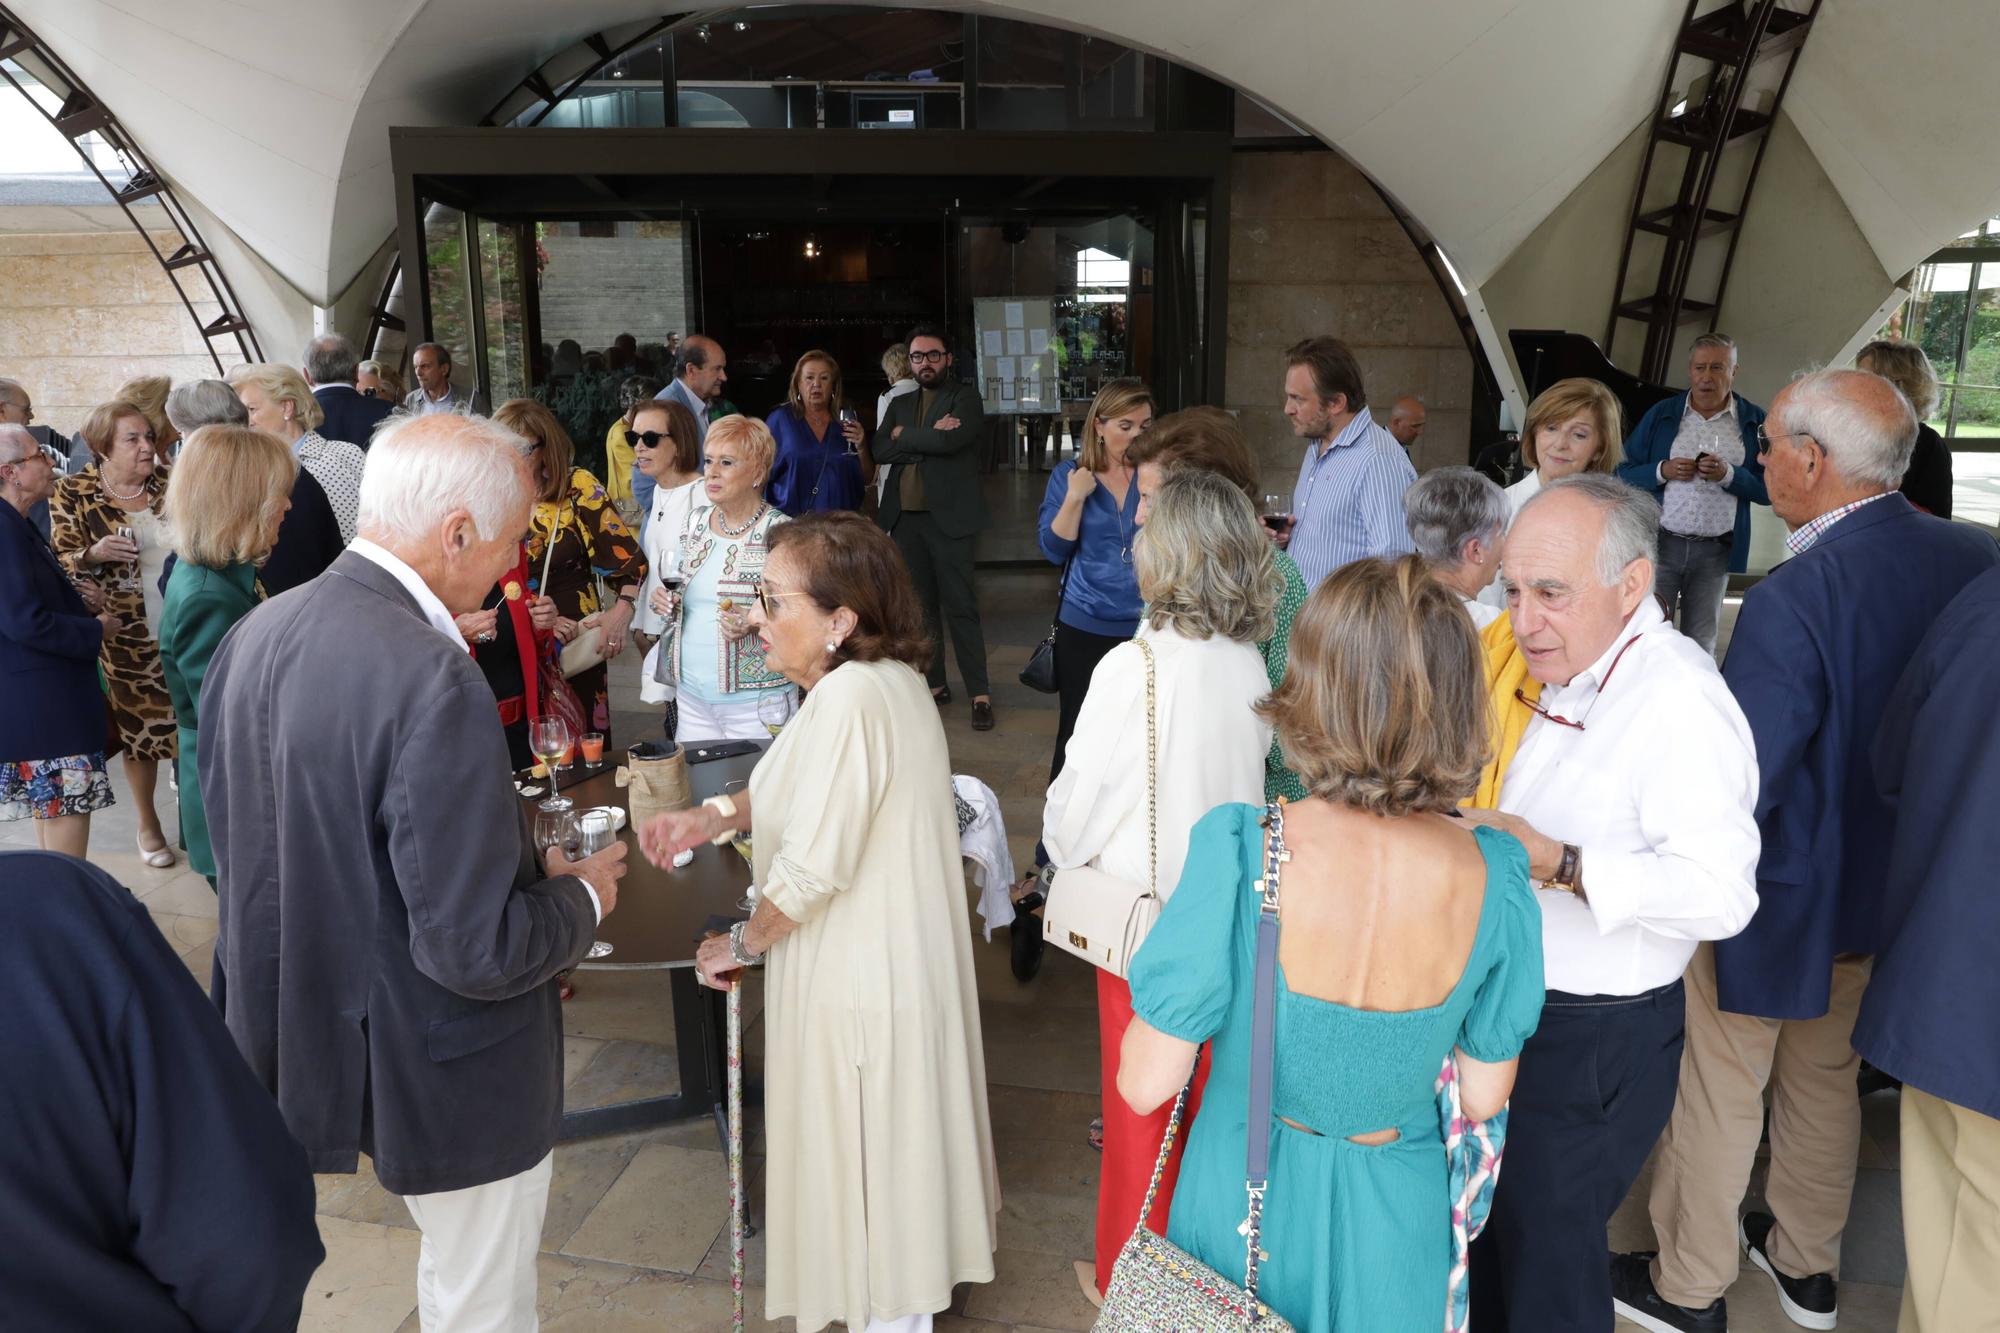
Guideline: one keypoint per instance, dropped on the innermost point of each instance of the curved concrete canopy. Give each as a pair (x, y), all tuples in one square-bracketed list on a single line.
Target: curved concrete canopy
[(1479, 116)]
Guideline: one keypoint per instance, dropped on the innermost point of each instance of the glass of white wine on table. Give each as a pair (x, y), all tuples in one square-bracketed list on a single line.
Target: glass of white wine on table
[(550, 739)]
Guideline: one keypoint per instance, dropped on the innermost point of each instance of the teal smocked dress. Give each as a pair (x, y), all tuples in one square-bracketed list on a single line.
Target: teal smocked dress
[(1359, 1238)]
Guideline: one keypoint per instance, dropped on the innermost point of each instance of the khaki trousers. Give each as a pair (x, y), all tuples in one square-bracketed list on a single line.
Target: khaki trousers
[(1710, 1146), (1951, 1217)]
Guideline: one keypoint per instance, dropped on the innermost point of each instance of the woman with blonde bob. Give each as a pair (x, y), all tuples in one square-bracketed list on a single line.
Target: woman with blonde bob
[(226, 499), (281, 403), (1574, 425), (1927, 481), (1406, 937), (1210, 584)]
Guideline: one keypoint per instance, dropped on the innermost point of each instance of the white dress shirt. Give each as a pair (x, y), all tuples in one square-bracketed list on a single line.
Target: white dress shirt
[(1659, 793), (440, 619), (1482, 614), (1211, 752)]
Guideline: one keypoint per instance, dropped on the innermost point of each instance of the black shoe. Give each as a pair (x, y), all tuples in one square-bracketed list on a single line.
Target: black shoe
[(1809, 1302), (1633, 1295), (941, 697), (982, 715), (1027, 937)]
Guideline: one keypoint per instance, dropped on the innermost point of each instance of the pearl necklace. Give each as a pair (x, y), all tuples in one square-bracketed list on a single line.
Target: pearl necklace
[(722, 520), (116, 494)]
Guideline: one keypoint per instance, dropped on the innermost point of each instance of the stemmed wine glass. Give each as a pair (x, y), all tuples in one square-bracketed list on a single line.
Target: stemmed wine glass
[(741, 842), (552, 829), (1276, 511), (774, 710), (594, 831), (550, 739)]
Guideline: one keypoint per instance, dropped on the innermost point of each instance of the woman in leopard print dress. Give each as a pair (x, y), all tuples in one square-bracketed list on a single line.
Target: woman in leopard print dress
[(122, 492)]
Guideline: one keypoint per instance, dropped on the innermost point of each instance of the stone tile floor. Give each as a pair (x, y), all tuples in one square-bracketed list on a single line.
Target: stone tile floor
[(637, 1230)]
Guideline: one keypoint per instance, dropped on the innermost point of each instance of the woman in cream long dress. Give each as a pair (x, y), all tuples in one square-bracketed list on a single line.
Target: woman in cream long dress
[(881, 1187)]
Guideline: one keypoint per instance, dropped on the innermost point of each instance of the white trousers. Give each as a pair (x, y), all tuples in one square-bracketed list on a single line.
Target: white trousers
[(476, 1266), (724, 719)]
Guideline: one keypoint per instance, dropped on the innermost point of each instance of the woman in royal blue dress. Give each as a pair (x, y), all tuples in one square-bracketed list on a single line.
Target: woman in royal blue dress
[(1405, 935), (822, 453)]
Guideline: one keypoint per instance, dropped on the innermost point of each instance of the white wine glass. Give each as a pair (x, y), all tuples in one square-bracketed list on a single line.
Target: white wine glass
[(774, 710), (550, 739), (595, 831)]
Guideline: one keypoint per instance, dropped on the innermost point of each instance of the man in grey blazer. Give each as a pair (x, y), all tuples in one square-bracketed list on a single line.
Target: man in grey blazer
[(388, 946), (933, 506), (435, 393)]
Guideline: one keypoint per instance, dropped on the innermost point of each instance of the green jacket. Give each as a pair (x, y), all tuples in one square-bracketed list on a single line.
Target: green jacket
[(202, 605), (949, 458)]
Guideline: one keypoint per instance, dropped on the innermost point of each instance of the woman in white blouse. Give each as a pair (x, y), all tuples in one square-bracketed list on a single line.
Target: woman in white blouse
[(896, 369), (1573, 426), (1211, 587), (666, 444)]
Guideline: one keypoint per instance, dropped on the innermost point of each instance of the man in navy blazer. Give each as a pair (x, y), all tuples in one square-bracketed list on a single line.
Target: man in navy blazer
[(332, 366), (1697, 453), (1932, 1013), (1817, 650)]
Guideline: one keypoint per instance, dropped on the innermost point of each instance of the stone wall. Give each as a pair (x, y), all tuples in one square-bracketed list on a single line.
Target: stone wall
[(1313, 249), (83, 312), (597, 287)]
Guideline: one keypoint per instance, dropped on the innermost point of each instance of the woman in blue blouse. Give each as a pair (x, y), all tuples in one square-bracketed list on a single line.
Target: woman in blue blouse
[(821, 459), (1406, 936), (1089, 520)]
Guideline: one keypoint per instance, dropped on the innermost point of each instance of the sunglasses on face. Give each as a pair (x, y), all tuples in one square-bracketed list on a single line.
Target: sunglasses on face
[(651, 439)]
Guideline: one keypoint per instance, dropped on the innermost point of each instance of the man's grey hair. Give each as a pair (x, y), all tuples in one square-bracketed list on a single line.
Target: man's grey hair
[(331, 359), (443, 352), (1867, 434), (421, 469), (1448, 507), (1721, 340), (1631, 521), (17, 442), (199, 403)]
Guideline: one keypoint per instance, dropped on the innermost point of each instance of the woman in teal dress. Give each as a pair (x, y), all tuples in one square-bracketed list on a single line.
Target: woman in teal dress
[(227, 496), (1405, 935)]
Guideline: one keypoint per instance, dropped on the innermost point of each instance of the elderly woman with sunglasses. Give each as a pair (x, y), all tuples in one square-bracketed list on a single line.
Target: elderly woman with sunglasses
[(665, 440)]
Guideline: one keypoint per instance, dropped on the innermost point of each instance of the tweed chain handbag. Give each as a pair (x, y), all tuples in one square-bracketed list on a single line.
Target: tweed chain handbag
[(1103, 918), (1040, 673), (1156, 1284)]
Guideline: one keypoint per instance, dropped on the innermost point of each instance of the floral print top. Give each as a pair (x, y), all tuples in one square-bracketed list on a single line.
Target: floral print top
[(591, 543)]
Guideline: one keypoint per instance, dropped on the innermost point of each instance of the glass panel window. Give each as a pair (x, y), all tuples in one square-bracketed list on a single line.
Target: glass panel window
[(506, 314), (450, 281)]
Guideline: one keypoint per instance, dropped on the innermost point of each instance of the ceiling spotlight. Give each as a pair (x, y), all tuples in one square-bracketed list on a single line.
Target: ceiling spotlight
[(812, 247), (741, 26)]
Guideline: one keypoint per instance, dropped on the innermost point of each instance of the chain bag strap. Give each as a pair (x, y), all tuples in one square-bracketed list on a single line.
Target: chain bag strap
[(1157, 1285)]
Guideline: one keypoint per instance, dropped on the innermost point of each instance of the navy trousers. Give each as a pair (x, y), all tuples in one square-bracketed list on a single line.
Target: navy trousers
[(1595, 1088)]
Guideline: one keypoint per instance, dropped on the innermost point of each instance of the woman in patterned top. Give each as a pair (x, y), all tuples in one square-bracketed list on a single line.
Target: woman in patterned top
[(575, 514), (715, 662), (106, 525), (281, 403)]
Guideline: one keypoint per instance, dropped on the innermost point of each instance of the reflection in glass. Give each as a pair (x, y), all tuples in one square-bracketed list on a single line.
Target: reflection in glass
[(450, 283), (506, 315)]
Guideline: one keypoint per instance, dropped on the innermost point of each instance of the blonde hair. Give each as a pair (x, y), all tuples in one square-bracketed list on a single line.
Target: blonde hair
[(1117, 398), (896, 362), (749, 436), (1563, 400), (229, 486), (1905, 365), (281, 384), (1203, 563), (1383, 706), (537, 425), (795, 394), (149, 393)]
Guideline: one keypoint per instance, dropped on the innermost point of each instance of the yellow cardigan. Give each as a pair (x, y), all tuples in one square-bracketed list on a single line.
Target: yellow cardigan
[(1507, 717), (617, 462)]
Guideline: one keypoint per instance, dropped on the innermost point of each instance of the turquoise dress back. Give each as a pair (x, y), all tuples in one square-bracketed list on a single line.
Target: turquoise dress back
[(1359, 1238)]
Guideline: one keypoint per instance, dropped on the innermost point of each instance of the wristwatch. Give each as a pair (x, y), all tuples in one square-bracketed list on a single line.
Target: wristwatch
[(725, 807), (738, 954), (1569, 871)]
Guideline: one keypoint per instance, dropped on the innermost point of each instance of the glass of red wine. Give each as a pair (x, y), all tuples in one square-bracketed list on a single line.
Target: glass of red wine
[(1276, 512)]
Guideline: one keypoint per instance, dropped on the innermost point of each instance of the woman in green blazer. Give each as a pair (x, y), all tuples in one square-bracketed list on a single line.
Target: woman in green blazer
[(225, 500)]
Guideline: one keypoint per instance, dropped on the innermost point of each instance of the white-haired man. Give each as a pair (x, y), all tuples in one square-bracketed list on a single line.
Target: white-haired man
[(1631, 784), (388, 945), (1456, 517)]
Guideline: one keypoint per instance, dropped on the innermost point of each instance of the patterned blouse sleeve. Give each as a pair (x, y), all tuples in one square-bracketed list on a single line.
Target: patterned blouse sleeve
[(68, 533), (615, 552)]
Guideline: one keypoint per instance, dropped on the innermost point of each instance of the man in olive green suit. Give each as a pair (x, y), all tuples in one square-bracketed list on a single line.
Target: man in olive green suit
[(933, 507)]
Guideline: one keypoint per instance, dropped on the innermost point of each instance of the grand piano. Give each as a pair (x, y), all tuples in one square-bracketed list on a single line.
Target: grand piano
[(1548, 355)]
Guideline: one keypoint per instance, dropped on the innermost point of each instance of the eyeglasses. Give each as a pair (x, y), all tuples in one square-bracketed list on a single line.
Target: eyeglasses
[(1521, 697), (1764, 438), (927, 358), (765, 597), (648, 439)]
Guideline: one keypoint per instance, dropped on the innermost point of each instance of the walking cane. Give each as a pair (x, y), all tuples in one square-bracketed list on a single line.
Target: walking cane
[(736, 1198)]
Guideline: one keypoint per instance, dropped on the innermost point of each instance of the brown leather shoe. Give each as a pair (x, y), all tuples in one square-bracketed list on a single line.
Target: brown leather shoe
[(982, 715)]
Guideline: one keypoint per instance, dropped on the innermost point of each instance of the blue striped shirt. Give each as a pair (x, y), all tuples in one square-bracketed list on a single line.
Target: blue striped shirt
[(1349, 501)]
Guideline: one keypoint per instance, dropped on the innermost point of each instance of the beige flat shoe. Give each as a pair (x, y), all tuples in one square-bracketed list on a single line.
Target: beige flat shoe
[(1086, 1278), (159, 859)]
